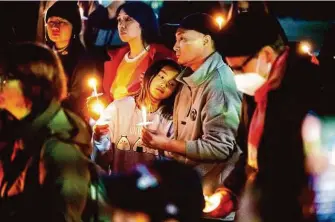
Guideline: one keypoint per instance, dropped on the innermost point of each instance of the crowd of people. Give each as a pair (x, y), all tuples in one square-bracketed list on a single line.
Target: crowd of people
[(218, 115)]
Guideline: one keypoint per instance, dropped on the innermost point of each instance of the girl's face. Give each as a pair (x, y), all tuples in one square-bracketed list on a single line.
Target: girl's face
[(59, 29), (164, 83), (128, 27)]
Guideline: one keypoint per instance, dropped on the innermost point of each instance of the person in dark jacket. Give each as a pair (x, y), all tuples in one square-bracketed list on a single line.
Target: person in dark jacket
[(63, 22), (285, 87), (44, 172)]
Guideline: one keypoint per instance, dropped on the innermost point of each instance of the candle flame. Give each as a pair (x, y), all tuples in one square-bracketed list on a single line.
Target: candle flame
[(219, 20), (305, 48), (92, 82), (212, 202)]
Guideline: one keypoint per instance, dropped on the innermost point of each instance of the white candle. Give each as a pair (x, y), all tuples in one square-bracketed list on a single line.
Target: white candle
[(144, 114)]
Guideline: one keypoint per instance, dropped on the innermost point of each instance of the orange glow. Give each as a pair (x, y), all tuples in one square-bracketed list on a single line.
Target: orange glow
[(92, 82), (98, 107), (212, 202), (219, 20), (305, 48)]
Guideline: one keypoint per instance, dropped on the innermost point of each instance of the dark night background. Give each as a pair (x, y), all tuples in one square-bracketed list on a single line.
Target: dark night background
[(301, 20)]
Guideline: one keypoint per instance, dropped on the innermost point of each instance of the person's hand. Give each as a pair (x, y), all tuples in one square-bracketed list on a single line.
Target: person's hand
[(220, 204), (90, 101), (100, 130), (153, 140)]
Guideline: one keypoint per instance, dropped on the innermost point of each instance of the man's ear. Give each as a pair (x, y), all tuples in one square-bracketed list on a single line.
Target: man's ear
[(269, 53), (207, 39)]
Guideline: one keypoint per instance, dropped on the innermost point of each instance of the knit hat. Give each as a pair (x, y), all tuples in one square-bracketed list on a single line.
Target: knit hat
[(163, 190), (201, 22), (66, 10), (247, 33), (145, 16)]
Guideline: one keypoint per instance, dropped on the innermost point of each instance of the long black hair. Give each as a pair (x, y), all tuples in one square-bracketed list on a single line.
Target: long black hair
[(146, 17), (152, 71)]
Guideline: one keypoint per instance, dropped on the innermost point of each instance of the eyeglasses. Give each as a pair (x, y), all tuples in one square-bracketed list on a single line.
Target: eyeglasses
[(58, 23), (240, 67)]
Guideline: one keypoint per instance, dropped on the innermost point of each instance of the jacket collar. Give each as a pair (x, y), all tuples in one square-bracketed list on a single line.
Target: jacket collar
[(203, 73), (123, 50)]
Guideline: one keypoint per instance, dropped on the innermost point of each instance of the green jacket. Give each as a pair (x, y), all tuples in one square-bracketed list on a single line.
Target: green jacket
[(56, 175)]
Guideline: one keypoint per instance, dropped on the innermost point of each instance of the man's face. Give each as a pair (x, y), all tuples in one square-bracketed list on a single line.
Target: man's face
[(189, 46), (258, 62), (242, 64)]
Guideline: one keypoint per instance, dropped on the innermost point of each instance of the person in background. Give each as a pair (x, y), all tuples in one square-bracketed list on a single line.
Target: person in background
[(138, 27), (100, 24), (63, 22), (117, 135), (207, 107), (165, 191), (44, 173), (285, 87)]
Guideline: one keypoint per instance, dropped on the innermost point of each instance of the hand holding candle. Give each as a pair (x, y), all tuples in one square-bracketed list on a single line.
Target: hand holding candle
[(94, 105)]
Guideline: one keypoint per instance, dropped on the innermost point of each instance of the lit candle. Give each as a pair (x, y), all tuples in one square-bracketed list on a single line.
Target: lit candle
[(305, 47), (92, 82), (219, 20)]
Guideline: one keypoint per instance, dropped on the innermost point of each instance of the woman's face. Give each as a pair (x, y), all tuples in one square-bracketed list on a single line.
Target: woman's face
[(128, 27), (164, 83), (59, 29)]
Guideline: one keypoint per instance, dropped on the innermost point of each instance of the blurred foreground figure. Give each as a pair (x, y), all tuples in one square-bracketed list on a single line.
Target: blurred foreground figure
[(285, 87), (43, 173), (163, 191)]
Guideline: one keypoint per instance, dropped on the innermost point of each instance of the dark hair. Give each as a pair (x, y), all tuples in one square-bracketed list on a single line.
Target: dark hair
[(69, 11), (39, 70), (152, 71), (145, 16)]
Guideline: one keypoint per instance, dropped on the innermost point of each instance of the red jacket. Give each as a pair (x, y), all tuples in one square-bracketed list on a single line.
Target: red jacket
[(156, 52)]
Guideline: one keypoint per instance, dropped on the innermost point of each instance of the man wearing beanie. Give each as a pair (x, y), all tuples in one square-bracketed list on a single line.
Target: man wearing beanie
[(207, 108), (284, 87)]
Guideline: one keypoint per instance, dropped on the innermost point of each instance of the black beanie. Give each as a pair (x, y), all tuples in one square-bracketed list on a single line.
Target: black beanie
[(145, 16), (201, 22), (247, 33), (66, 10)]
